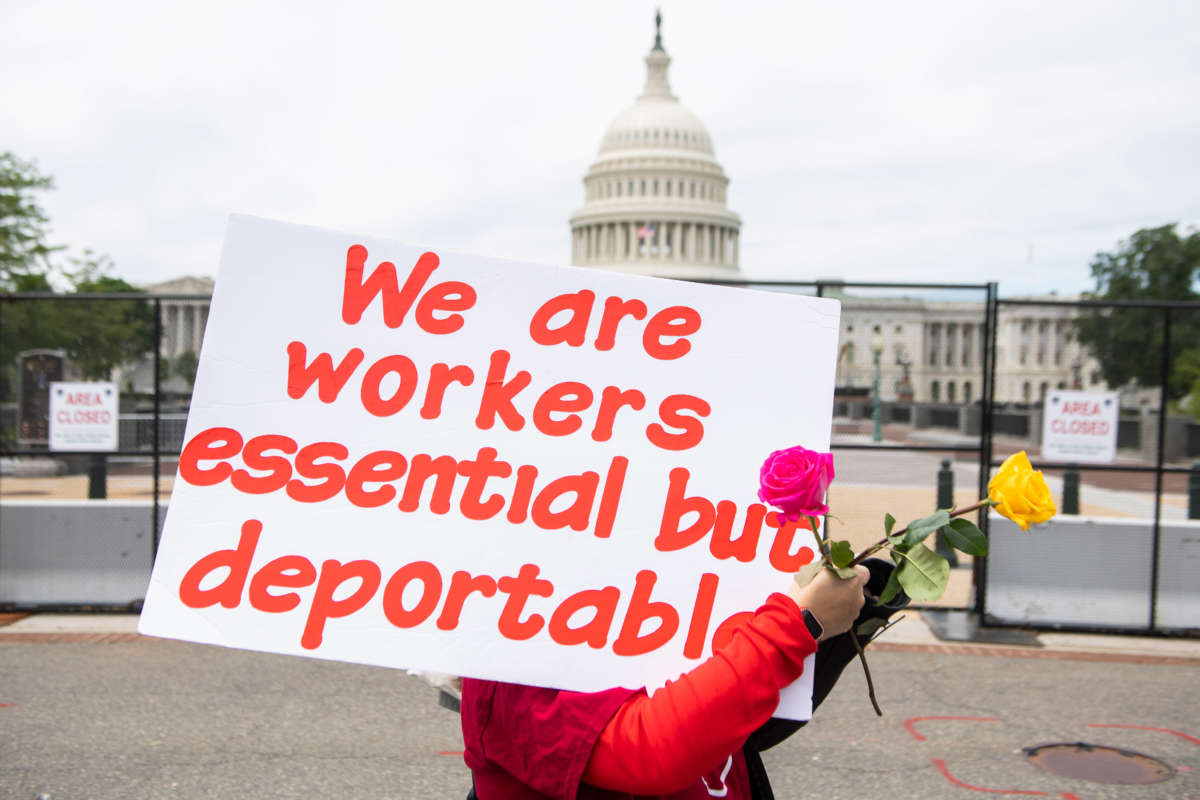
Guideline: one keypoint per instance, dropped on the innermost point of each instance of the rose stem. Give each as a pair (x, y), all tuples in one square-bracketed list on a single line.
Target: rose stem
[(883, 542), (862, 656)]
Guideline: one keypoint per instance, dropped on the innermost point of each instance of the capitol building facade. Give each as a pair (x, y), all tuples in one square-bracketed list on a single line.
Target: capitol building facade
[(655, 203)]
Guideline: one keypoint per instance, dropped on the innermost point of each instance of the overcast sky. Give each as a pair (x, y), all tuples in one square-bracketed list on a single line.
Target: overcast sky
[(915, 141)]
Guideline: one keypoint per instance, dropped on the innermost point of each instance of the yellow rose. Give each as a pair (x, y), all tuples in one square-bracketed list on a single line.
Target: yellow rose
[(1019, 492)]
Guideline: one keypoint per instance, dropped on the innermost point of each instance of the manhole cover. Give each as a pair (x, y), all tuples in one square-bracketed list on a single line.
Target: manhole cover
[(1094, 762)]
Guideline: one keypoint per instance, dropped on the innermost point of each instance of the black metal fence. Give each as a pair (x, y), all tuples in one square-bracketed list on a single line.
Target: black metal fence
[(103, 331), (1167, 316), (152, 419)]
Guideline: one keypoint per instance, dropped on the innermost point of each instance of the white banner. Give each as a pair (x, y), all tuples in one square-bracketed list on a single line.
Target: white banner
[(422, 459)]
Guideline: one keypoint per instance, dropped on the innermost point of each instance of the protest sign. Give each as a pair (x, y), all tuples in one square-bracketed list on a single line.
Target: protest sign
[(415, 458), (1080, 426), (83, 416)]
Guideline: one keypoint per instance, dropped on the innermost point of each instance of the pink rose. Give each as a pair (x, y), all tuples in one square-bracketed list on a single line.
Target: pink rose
[(795, 481)]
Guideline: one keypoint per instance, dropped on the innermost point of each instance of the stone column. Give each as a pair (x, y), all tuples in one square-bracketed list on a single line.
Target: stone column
[(736, 238), (178, 348), (189, 319)]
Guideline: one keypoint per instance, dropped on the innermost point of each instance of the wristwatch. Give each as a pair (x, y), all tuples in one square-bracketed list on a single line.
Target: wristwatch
[(813, 626)]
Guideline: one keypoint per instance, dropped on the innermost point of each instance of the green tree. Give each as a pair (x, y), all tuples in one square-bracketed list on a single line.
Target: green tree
[(96, 335), (184, 366), (1152, 264), (23, 247), (101, 334)]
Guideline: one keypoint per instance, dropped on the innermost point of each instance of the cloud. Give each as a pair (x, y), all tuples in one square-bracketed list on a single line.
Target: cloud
[(929, 141)]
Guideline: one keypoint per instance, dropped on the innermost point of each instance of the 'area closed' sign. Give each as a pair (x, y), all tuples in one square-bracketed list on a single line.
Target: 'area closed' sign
[(1080, 426), (83, 416)]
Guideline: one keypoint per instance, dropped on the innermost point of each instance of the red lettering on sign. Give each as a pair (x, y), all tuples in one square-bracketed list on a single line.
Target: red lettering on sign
[(324, 607), (334, 477), (301, 376), (213, 444), (616, 309), (691, 429), (594, 632), (372, 397), (254, 456), (229, 591), (572, 331), (631, 641), (393, 594), (674, 323), (462, 585), (285, 571), (519, 589), (343, 589)]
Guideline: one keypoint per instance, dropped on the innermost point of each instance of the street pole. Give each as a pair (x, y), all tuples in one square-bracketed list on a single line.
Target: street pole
[(877, 434)]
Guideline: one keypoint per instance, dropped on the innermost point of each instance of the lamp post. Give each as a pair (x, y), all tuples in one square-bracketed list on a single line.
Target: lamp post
[(904, 391), (876, 354)]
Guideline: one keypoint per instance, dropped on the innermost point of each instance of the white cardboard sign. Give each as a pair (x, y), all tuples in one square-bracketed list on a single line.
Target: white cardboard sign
[(83, 416), (1080, 426), (416, 458)]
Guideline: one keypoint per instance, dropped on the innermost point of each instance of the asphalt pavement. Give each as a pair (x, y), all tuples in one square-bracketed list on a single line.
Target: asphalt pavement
[(91, 710)]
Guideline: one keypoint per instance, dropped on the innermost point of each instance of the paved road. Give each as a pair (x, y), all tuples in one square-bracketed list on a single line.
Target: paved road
[(157, 719)]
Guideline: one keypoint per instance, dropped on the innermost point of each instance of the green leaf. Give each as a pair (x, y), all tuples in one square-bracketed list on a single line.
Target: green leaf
[(805, 574), (868, 628), (845, 572), (889, 522), (920, 529), (841, 554), (892, 588), (966, 536), (923, 573)]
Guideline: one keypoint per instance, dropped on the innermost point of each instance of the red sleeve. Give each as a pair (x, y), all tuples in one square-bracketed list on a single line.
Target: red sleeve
[(662, 743)]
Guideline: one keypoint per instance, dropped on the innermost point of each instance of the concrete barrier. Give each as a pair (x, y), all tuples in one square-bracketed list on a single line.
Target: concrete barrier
[(75, 552), (1093, 572)]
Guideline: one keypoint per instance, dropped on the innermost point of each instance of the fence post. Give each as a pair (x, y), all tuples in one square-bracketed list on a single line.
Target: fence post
[(945, 499), (1194, 491), (1070, 503), (98, 478)]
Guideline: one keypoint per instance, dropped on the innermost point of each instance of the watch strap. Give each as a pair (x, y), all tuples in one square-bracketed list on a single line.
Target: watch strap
[(810, 622)]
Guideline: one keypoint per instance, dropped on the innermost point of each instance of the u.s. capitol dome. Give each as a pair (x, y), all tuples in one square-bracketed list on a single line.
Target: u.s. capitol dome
[(654, 198)]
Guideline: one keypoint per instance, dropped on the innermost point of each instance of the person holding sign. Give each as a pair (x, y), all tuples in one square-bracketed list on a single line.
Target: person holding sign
[(696, 737)]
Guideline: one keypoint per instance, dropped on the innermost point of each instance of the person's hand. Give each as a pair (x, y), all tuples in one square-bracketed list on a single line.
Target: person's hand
[(834, 601)]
